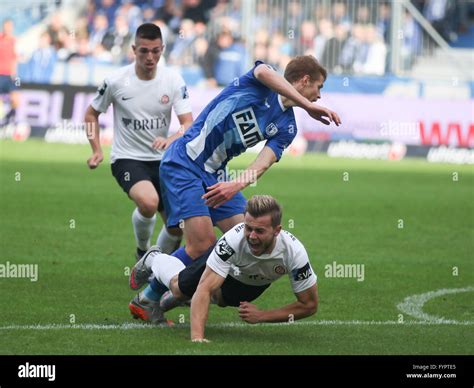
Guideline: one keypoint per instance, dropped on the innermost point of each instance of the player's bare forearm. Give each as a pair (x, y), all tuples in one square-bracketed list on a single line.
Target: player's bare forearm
[(199, 313), (293, 311), (209, 282), (185, 120), (280, 85), (257, 168), (223, 191), (93, 135), (305, 306), (92, 128)]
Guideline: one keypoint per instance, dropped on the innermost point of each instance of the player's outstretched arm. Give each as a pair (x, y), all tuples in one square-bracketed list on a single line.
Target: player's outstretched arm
[(93, 135), (270, 78), (210, 281), (223, 191), (305, 306)]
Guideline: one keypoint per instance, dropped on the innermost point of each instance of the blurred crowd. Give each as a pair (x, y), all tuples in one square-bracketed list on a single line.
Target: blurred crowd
[(350, 36)]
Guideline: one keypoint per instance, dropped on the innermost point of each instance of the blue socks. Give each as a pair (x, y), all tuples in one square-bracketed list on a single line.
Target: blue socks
[(186, 259), (155, 290), (183, 256)]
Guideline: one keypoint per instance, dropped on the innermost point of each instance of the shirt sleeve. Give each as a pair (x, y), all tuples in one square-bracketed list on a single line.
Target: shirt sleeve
[(283, 139), (224, 252), (103, 97), (249, 80), (254, 67), (301, 273), (181, 104)]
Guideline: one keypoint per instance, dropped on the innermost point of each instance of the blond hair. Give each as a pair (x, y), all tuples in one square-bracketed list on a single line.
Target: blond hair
[(261, 205)]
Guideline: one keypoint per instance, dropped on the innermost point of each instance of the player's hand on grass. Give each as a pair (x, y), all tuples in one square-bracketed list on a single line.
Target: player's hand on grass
[(220, 193), (95, 160), (324, 115), (249, 313), (200, 340)]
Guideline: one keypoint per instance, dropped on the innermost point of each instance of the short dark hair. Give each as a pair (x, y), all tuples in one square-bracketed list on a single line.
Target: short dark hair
[(148, 31), (303, 65), (261, 205)]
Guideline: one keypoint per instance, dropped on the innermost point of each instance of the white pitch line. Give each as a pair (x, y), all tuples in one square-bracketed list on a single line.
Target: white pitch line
[(138, 326), (413, 305)]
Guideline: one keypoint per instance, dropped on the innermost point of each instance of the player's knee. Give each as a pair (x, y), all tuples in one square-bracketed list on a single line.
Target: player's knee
[(148, 205), (174, 288), (175, 231), (206, 241), (200, 247)]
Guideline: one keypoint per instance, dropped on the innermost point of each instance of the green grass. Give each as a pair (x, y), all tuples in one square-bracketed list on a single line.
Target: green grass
[(82, 269)]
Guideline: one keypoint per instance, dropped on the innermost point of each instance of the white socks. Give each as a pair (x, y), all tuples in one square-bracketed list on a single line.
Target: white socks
[(167, 242), (164, 266), (143, 229)]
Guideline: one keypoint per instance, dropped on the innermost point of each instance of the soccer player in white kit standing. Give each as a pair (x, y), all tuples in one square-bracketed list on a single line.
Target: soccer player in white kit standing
[(142, 95), (243, 264)]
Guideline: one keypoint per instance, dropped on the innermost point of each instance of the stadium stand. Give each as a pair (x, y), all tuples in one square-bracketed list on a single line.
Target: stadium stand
[(408, 65), (203, 37)]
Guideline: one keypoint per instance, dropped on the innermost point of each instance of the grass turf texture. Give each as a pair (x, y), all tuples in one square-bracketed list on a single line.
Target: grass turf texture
[(75, 224)]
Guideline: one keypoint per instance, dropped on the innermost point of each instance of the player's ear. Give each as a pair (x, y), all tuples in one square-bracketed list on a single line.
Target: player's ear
[(277, 230)]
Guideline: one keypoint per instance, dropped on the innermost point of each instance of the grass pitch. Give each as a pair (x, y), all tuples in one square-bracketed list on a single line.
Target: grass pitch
[(410, 223)]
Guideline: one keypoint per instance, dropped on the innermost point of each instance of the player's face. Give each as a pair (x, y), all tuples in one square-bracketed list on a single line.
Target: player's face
[(260, 234), (148, 53), (311, 89)]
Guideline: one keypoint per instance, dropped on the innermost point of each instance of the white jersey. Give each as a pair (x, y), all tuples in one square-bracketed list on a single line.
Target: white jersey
[(142, 110), (232, 257)]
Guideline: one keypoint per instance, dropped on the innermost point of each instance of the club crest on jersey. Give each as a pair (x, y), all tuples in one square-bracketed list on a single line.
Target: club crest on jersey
[(164, 99), (247, 126), (224, 250), (271, 129), (279, 269)]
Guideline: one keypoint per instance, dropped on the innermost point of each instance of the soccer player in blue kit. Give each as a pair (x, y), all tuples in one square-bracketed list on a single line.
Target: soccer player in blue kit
[(256, 107)]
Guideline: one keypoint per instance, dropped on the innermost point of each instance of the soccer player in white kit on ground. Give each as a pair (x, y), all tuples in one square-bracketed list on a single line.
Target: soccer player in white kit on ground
[(243, 264), (142, 95)]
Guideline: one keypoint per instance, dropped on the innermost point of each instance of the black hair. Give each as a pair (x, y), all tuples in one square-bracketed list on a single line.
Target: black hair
[(148, 31)]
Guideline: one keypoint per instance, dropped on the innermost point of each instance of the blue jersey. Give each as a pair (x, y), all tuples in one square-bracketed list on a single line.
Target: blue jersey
[(245, 113)]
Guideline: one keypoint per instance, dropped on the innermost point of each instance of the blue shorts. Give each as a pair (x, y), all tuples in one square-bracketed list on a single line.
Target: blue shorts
[(183, 184)]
